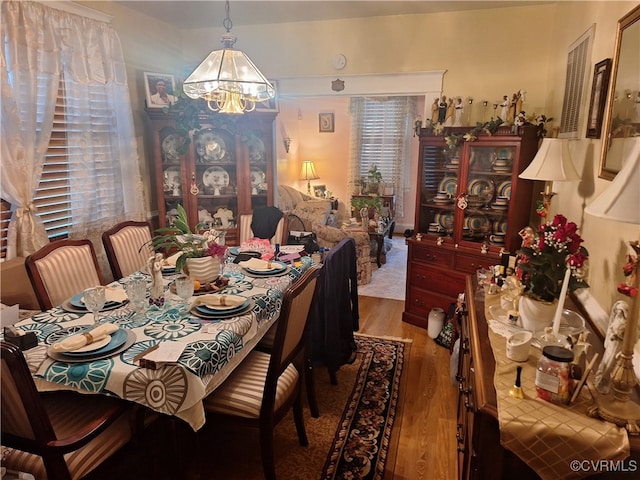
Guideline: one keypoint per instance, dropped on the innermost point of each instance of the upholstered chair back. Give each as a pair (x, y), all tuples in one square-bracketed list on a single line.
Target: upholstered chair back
[(128, 247)]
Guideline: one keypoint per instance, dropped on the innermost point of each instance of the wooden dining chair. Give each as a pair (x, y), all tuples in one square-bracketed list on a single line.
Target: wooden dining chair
[(62, 269), (56, 435), (265, 386), (128, 247), (246, 231)]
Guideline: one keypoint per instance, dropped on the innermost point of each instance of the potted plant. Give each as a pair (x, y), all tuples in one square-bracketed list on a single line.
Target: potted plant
[(374, 179), (200, 253), (373, 203), (542, 262)]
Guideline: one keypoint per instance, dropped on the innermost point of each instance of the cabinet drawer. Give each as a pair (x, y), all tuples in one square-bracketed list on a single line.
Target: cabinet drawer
[(470, 264), (436, 280), (435, 256), (420, 302)]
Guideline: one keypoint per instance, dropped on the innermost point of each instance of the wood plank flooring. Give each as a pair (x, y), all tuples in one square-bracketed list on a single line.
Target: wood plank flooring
[(427, 446)]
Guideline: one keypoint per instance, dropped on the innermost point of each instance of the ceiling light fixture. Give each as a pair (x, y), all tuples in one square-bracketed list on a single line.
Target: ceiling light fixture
[(227, 79)]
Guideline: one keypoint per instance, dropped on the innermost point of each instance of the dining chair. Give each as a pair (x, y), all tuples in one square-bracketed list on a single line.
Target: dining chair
[(128, 247), (265, 386), (56, 435), (247, 222), (62, 269)]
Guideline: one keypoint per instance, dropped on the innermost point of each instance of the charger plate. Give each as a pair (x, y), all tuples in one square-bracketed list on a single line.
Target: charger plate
[(68, 307), (63, 357), (222, 315)]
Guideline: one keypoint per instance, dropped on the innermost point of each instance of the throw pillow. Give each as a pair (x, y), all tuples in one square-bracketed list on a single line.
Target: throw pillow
[(313, 212), (329, 234)]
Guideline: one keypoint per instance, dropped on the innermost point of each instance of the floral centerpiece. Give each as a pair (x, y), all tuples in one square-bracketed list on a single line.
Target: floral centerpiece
[(179, 238), (545, 256)]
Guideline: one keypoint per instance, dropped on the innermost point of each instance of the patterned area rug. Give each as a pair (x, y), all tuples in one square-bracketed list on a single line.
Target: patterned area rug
[(355, 436), (389, 280)]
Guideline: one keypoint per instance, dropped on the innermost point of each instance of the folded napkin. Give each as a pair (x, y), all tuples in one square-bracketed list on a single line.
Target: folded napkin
[(171, 260), (217, 300), (80, 340), (114, 294), (259, 265)]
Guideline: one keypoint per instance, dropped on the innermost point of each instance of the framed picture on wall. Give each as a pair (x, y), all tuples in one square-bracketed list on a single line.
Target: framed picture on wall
[(599, 88), (270, 105), (326, 122), (159, 89), (320, 191)]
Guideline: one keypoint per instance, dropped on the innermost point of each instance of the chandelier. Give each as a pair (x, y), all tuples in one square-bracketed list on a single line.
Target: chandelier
[(227, 79)]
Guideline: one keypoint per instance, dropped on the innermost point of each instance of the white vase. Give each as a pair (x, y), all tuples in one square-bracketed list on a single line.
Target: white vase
[(535, 314), (203, 269)]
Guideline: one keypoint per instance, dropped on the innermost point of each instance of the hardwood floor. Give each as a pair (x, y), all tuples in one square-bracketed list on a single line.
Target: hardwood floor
[(427, 448)]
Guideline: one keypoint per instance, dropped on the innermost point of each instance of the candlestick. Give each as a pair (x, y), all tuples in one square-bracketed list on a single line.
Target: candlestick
[(563, 295)]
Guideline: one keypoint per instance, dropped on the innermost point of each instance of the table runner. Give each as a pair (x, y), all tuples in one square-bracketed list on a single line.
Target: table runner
[(213, 349), (548, 437)]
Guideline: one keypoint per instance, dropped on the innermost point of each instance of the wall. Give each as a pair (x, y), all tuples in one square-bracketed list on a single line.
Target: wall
[(487, 54)]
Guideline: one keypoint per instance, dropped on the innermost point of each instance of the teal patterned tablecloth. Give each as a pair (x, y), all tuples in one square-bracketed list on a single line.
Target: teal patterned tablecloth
[(213, 348)]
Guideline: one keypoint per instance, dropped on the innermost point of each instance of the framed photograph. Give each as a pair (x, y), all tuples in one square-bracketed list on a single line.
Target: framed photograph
[(326, 122), (270, 105), (599, 88), (320, 191), (160, 89)]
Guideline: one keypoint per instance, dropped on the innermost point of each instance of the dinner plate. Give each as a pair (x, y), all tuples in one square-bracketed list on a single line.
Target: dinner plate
[(444, 219), (500, 207), (476, 222), (77, 302), (210, 147), (115, 340), (68, 307), (500, 226), (222, 315), (93, 346), (481, 186), (222, 309), (277, 268), (63, 357), (233, 250), (504, 190), (257, 177), (215, 177), (170, 148), (448, 184), (257, 151), (168, 270), (267, 274)]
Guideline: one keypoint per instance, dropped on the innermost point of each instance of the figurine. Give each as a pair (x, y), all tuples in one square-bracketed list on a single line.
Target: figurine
[(154, 268), (612, 345)]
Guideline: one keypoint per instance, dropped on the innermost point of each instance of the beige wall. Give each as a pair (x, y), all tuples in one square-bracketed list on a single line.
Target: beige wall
[(487, 54)]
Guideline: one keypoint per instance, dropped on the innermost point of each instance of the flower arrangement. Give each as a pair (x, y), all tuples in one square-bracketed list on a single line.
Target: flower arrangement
[(191, 244), (545, 256)]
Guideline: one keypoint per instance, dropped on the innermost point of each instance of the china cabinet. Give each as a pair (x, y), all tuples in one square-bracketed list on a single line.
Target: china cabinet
[(470, 206), (223, 170)]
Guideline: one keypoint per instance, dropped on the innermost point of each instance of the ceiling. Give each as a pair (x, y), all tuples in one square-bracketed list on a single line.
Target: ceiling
[(200, 14)]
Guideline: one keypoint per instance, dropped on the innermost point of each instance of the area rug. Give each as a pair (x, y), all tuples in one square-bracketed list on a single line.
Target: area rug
[(355, 436), (389, 280)]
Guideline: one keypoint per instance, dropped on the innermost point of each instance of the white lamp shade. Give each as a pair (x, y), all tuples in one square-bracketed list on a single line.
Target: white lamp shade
[(551, 163), (621, 201), (308, 171)]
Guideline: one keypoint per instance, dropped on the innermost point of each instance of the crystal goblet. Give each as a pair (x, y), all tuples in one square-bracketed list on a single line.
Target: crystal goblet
[(94, 300), (136, 290), (184, 289)]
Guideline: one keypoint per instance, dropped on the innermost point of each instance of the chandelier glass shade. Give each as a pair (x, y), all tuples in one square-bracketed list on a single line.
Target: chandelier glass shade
[(227, 79)]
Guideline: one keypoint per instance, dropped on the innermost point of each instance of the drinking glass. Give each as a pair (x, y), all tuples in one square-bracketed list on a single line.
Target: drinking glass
[(94, 300), (184, 289), (136, 290)]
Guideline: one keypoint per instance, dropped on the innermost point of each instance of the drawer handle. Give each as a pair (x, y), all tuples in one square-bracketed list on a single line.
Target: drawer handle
[(421, 277), (417, 301)]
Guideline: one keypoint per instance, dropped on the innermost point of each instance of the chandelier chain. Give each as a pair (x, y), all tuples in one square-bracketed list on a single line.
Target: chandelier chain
[(226, 23)]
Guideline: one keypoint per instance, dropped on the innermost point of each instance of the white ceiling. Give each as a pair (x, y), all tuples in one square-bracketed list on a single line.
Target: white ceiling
[(188, 14)]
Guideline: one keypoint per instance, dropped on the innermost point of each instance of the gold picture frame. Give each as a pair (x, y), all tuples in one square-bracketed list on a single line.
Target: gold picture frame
[(326, 123)]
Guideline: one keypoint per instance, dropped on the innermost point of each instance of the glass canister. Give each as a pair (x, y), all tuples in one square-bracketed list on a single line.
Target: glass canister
[(553, 379)]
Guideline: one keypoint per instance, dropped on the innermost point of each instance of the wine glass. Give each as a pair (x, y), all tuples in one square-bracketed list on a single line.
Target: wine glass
[(136, 289), (94, 300), (184, 288)]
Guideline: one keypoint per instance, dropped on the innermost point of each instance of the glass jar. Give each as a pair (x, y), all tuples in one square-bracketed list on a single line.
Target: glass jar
[(553, 379)]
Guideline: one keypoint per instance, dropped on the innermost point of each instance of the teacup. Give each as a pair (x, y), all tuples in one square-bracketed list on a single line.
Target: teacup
[(502, 200), (434, 227), (497, 238), (442, 194), (518, 346)]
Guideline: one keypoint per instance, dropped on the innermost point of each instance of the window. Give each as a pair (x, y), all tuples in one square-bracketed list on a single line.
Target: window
[(381, 137)]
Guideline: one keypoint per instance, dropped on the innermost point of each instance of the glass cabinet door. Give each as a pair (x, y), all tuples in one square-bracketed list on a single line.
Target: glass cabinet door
[(214, 178), (488, 189), (171, 148), (258, 170), (438, 189)]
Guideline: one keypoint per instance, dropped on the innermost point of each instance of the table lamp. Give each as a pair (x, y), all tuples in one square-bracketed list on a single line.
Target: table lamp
[(621, 203), (551, 163), (308, 173)]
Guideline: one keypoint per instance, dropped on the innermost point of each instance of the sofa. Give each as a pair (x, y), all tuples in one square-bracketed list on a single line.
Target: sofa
[(317, 216)]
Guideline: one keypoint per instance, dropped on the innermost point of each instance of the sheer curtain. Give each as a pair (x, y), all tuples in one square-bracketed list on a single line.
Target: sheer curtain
[(44, 46), (381, 132)]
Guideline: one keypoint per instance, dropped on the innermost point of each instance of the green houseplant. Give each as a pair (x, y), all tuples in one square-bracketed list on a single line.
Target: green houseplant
[(372, 202), (374, 179)]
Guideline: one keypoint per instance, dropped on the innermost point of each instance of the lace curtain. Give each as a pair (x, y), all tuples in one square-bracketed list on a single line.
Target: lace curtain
[(381, 132), (43, 46)]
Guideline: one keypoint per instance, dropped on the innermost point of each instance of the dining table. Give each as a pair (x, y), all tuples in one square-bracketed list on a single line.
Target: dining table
[(211, 347)]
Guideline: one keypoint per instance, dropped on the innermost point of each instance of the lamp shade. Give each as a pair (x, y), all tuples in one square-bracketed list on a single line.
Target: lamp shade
[(551, 163), (308, 171), (621, 201)]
